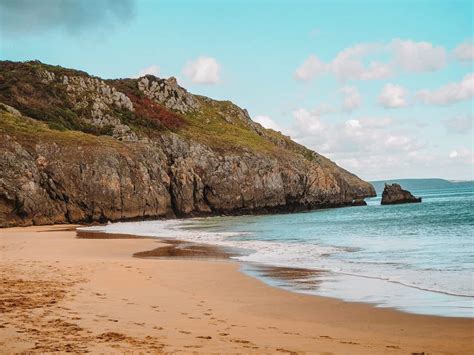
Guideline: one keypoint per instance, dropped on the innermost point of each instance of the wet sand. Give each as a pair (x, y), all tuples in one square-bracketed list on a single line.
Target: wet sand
[(60, 293)]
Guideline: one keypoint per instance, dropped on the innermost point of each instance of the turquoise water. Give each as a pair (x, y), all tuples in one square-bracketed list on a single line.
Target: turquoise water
[(414, 257)]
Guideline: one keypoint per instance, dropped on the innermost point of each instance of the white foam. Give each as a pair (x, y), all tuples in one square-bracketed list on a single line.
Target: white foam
[(287, 254)]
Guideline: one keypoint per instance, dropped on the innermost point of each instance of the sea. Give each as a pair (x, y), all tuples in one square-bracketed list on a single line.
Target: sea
[(417, 258)]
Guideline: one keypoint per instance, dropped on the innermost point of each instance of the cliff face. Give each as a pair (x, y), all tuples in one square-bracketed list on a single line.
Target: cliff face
[(75, 148)]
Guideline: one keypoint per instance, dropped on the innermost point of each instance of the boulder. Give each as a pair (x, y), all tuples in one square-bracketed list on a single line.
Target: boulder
[(394, 194)]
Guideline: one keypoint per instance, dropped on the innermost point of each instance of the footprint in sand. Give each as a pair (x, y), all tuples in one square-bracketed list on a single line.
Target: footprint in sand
[(184, 332), (349, 342), (286, 351), (204, 337)]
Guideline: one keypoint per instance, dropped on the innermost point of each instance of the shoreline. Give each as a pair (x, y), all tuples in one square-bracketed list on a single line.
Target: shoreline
[(164, 304), (293, 279), (337, 284)]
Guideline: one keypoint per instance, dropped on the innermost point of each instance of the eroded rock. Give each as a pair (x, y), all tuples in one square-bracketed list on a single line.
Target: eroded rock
[(394, 194)]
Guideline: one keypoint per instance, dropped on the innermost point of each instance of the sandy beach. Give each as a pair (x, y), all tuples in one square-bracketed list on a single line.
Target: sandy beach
[(60, 293)]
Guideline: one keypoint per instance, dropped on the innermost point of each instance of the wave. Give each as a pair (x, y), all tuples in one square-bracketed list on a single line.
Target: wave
[(287, 254)]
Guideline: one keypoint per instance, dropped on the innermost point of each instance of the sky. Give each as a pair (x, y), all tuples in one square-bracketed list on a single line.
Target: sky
[(383, 88)]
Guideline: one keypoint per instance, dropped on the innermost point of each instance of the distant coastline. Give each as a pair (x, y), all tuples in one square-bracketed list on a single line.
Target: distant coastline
[(422, 184)]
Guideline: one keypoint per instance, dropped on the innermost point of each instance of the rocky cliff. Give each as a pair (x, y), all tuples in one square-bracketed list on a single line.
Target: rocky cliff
[(75, 148)]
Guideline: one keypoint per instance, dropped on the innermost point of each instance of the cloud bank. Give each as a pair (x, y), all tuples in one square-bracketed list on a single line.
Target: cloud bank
[(26, 17), (351, 63), (450, 93)]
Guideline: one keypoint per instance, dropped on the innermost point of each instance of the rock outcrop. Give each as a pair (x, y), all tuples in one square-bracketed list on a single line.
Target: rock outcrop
[(78, 149), (394, 194)]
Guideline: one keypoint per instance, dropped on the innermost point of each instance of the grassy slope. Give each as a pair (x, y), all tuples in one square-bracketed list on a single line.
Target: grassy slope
[(30, 132), (216, 124)]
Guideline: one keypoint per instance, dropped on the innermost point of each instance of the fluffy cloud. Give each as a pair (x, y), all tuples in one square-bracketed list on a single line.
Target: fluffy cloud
[(418, 56), (459, 125), (308, 123), (310, 68), (351, 136), (368, 146), (378, 147), (347, 65), (449, 93), (151, 70), (464, 52), (203, 70), (267, 122), (352, 98), (351, 63), (462, 154), (392, 96)]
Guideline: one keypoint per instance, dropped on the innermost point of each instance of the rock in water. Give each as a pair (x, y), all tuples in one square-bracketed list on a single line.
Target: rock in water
[(394, 194)]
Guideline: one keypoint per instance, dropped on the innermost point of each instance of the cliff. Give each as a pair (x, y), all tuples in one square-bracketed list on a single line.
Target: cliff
[(75, 148)]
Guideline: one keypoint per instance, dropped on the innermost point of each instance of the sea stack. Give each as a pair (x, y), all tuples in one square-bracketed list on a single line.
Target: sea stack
[(394, 194)]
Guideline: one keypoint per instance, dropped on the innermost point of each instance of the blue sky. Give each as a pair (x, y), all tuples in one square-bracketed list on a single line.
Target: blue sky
[(381, 87)]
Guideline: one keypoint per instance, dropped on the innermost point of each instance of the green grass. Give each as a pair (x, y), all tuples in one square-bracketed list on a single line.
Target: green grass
[(209, 127), (31, 132), (221, 125)]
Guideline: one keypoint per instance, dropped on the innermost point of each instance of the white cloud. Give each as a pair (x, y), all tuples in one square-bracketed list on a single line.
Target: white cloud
[(418, 56), (449, 93), (351, 136), (460, 124), (348, 64), (378, 147), (462, 154), (309, 122), (267, 122), (392, 96), (203, 70), (464, 52), (151, 70), (368, 146), (351, 63), (352, 97), (310, 68)]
